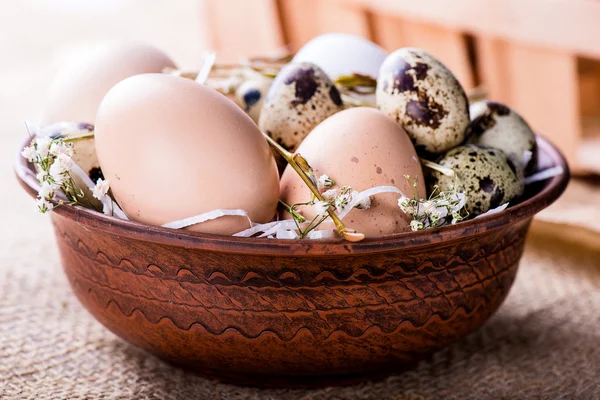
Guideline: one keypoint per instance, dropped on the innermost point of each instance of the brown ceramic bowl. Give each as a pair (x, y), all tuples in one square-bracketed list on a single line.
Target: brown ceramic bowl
[(293, 312)]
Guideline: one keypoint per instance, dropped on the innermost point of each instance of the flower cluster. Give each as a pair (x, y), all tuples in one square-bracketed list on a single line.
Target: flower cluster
[(340, 199), (101, 189), (442, 207), (52, 157)]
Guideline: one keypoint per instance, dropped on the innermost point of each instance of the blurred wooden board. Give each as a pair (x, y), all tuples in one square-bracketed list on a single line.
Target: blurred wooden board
[(575, 217), (302, 20), (540, 84), (446, 44), (588, 152), (568, 25), (242, 28)]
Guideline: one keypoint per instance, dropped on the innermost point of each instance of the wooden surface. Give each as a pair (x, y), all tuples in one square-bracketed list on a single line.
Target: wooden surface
[(568, 25), (242, 28), (302, 20), (542, 85)]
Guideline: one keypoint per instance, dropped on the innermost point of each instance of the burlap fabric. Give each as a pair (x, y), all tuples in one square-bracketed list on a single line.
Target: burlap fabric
[(543, 343)]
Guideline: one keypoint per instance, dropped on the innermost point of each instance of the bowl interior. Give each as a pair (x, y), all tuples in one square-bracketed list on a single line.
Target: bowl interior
[(537, 196)]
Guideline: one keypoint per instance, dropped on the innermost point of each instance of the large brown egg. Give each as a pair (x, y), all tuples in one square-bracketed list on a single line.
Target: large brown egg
[(362, 148), (81, 83), (172, 149)]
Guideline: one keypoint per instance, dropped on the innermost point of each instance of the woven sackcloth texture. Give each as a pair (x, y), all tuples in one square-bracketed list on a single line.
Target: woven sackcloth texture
[(543, 343)]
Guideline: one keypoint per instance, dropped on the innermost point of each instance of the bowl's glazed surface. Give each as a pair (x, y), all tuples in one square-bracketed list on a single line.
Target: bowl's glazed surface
[(278, 312)]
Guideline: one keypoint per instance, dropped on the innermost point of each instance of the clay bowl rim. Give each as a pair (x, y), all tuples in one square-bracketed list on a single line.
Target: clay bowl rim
[(552, 189)]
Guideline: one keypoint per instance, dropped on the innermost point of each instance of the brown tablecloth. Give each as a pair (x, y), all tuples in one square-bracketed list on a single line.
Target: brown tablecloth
[(543, 343)]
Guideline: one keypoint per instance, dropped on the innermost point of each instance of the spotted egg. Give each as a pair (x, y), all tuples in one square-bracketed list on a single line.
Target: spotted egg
[(496, 125), (81, 138), (423, 96), (250, 96), (301, 96), (488, 177)]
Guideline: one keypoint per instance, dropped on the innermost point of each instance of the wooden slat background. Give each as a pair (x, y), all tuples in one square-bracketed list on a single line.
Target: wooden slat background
[(526, 53)]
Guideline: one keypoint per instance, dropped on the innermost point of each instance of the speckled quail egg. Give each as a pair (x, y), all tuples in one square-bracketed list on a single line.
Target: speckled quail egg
[(250, 95), (422, 95), (81, 138), (495, 125), (301, 96), (342, 54), (488, 177)]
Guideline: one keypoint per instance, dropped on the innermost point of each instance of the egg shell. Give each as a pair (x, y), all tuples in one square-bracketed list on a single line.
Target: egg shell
[(422, 95), (362, 148), (81, 84), (488, 177), (496, 125), (342, 54), (301, 96), (250, 96), (172, 149), (80, 137)]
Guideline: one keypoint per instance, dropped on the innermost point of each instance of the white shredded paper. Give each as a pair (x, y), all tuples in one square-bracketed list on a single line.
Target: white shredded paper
[(368, 193), (526, 157), (493, 211), (67, 129), (545, 174), (209, 61), (286, 234), (214, 214), (323, 234), (286, 229), (109, 207)]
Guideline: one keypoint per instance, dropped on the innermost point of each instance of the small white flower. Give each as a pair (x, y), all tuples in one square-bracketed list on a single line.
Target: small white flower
[(324, 182), (403, 201), (46, 191), (29, 153), (462, 200), (59, 147), (406, 205), (439, 213), (65, 162), (416, 225), (321, 208), (344, 198), (330, 195), (101, 188), (428, 207), (57, 173), (44, 205), (42, 145), (60, 168), (41, 175)]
